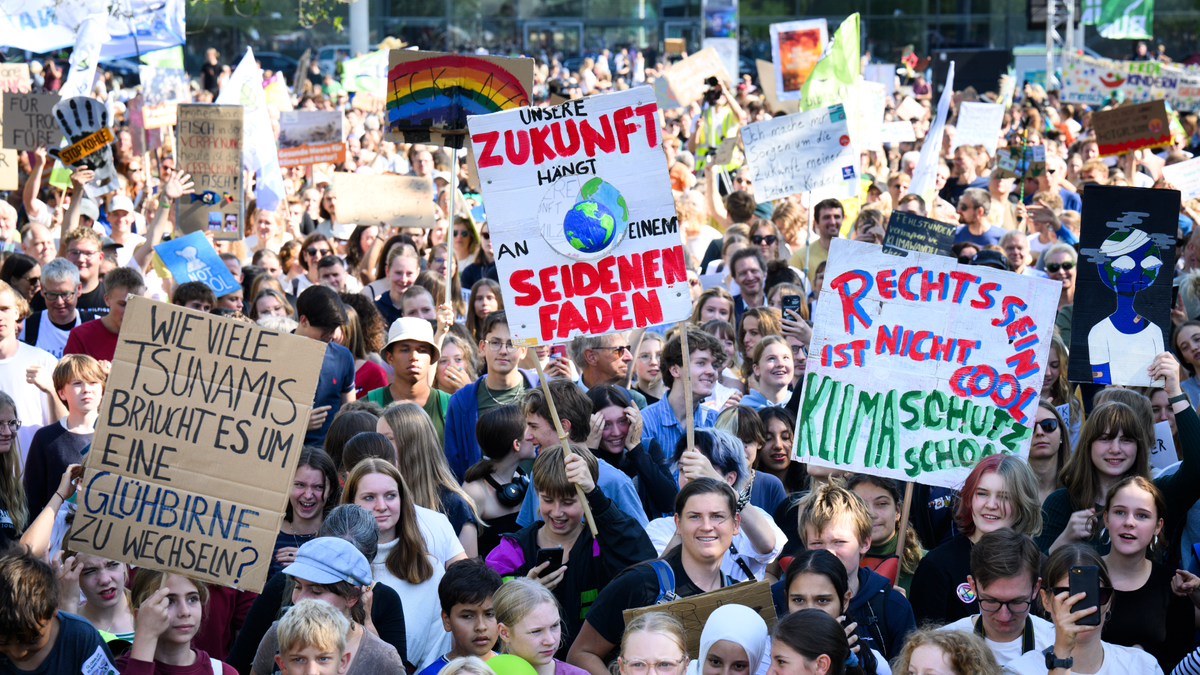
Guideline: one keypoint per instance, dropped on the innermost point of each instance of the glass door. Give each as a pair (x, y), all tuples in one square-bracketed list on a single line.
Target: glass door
[(554, 37)]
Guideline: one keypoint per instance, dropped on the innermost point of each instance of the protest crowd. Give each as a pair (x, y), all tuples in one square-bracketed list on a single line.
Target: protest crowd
[(466, 502)]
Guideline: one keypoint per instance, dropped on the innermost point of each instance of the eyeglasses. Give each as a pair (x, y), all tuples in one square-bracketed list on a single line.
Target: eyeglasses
[(1106, 592), (462, 233), (52, 296), (759, 240), (1048, 425), (639, 667), (797, 350), (318, 252), (76, 253), (1066, 266), (496, 345), (12, 425), (1014, 606)]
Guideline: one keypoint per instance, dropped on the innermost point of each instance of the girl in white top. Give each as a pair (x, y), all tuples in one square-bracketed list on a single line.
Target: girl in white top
[(268, 233), (415, 546), (1081, 644)]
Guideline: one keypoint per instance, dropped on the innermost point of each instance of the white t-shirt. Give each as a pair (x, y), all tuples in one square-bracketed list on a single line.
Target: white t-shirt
[(661, 530), (33, 406), (1043, 636), (1126, 355), (50, 337), (1118, 660), (125, 253), (427, 640)]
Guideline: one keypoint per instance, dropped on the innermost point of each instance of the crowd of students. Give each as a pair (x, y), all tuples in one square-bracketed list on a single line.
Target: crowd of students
[(436, 523)]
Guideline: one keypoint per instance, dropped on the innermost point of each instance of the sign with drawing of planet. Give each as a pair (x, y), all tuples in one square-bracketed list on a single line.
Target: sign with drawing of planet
[(581, 217)]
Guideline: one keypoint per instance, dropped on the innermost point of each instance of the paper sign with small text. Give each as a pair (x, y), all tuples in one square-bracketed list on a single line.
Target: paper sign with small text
[(897, 132), (1185, 176), (403, 201), (311, 137), (210, 149), (979, 124), (1132, 127), (800, 153), (910, 232)]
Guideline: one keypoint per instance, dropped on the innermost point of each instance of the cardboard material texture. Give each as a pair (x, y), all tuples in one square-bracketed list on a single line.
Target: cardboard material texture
[(404, 201), (796, 46), (311, 137), (686, 78), (1122, 315), (725, 151), (1185, 176), (9, 180), (1009, 163), (800, 153), (430, 94), (910, 232), (1132, 127), (14, 78), (582, 220), (912, 356), (29, 121), (200, 432), (144, 140), (159, 116), (674, 45), (766, 78), (693, 611), (210, 149), (909, 109), (1162, 453), (979, 124)]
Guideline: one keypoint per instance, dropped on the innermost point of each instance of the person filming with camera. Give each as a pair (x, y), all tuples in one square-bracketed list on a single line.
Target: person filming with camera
[(719, 120)]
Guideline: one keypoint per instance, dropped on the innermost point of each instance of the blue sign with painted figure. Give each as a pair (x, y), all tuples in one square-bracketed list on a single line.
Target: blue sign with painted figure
[(193, 258)]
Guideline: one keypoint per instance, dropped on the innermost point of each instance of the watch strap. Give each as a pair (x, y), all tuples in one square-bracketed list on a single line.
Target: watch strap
[(1053, 661), (1177, 399)]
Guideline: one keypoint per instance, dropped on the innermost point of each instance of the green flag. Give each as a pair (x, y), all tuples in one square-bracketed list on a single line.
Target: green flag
[(367, 73), (171, 57), (1127, 19), (834, 78)]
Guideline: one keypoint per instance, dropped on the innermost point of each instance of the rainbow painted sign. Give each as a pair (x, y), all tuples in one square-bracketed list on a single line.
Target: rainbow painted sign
[(430, 94)]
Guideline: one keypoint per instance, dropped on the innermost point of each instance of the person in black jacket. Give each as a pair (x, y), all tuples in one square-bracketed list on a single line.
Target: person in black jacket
[(588, 564), (616, 437)]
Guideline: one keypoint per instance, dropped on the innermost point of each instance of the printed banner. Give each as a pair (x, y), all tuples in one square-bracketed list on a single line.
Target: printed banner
[(796, 46), (311, 136), (1132, 127), (800, 153), (430, 94), (367, 74), (1098, 81), (910, 232), (133, 26), (1122, 314), (192, 258), (1126, 19), (201, 426), (979, 124), (920, 366), (210, 149), (582, 218), (29, 121)]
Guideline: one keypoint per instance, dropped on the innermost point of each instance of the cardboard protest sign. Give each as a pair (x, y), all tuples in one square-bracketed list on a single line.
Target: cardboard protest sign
[(897, 132), (192, 258), (685, 81), (582, 219), (404, 201), (910, 232), (1185, 176), (8, 167), (920, 366), (430, 94), (766, 79), (725, 151), (200, 431), (1132, 127), (1011, 164), (164, 85), (311, 137), (85, 124), (979, 124), (14, 78), (674, 45), (159, 116), (144, 140), (910, 110), (883, 73), (800, 153), (693, 611), (1122, 314), (796, 47), (29, 121), (210, 149)]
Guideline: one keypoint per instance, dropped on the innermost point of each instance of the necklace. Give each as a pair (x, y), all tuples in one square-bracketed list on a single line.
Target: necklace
[(520, 389)]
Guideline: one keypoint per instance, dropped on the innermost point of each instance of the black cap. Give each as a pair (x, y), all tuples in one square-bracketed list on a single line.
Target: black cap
[(988, 258)]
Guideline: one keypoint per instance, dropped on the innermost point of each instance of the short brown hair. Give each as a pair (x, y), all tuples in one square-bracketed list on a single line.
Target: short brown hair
[(549, 471), (81, 234), (124, 277), (28, 596), (1004, 554), (831, 502), (77, 366), (193, 290), (698, 341), (571, 403)]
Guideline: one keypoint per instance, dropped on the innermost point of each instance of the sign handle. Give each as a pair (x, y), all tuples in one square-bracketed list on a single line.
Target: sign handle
[(688, 422), (562, 440), (900, 536), (450, 259)]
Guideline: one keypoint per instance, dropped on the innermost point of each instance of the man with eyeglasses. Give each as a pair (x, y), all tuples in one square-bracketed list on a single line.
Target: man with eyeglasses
[(1053, 180), (604, 360), (49, 328), (26, 374), (1004, 577), (411, 352), (83, 249)]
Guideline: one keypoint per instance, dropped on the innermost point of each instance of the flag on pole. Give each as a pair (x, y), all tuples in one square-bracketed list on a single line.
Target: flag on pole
[(366, 74), (834, 78), (259, 152), (1127, 19), (924, 179)]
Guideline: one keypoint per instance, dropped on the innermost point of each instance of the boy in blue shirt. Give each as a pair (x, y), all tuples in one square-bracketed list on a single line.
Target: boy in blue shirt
[(466, 596)]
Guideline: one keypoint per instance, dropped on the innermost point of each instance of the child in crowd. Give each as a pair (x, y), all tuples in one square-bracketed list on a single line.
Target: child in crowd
[(312, 640), (195, 295), (169, 612), (467, 613)]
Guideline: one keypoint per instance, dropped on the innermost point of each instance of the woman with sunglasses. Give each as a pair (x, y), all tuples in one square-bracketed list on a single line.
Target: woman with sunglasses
[(24, 274), (463, 238), (765, 236), (314, 247), (1049, 450), (484, 265), (1078, 648)]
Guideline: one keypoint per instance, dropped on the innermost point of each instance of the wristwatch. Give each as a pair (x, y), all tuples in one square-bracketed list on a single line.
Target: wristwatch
[(1053, 661), (1177, 399)]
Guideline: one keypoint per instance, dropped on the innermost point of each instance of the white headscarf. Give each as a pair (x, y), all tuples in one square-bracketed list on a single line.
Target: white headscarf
[(738, 624)]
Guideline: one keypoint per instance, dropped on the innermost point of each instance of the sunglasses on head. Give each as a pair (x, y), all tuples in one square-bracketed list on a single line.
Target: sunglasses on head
[(1066, 266), (759, 239), (1048, 425)]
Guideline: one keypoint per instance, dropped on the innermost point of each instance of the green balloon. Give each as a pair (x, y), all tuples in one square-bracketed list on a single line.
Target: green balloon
[(508, 664)]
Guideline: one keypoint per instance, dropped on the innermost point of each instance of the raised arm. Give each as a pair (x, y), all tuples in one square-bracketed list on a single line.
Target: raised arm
[(33, 184), (179, 185)]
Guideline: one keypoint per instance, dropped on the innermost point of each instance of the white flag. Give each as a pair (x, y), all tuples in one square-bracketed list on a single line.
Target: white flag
[(259, 151), (925, 174), (90, 37)]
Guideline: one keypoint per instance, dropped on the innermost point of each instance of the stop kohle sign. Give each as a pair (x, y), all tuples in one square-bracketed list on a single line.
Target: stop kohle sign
[(581, 217)]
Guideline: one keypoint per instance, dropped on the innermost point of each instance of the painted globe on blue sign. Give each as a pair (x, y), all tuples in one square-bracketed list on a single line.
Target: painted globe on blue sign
[(589, 226)]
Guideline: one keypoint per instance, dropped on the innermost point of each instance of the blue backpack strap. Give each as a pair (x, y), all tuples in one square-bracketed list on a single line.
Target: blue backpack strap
[(666, 581)]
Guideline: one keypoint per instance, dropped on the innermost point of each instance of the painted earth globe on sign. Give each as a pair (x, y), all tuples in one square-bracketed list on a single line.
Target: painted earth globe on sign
[(598, 214)]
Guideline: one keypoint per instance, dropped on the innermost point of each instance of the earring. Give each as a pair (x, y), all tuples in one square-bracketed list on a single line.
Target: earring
[(1154, 543), (1103, 536)]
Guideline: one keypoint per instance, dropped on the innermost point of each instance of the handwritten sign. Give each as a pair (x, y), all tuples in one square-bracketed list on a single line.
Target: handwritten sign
[(1132, 127), (29, 121), (192, 258), (311, 137), (582, 220), (800, 153), (404, 201), (200, 431), (1010, 163), (210, 149), (14, 78), (8, 167), (1185, 176), (897, 132), (910, 110), (87, 145), (685, 81), (920, 366), (796, 47), (979, 124), (693, 611), (1162, 453), (910, 232)]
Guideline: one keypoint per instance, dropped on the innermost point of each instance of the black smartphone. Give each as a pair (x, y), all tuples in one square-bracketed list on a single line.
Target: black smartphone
[(1086, 579), (555, 557), (791, 303)]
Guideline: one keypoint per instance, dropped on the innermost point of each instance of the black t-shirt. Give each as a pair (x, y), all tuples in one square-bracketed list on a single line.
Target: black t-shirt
[(209, 74), (940, 592), (636, 587), (90, 305), (51, 451), (456, 510), (78, 650), (1154, 618)]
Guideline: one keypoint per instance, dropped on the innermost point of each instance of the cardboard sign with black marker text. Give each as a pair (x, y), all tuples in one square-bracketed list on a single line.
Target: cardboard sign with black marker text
[(29, 121), (210, 149), (1122, 314)]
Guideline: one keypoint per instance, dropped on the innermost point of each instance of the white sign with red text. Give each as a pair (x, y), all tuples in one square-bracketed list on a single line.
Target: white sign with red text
[(581, 216)]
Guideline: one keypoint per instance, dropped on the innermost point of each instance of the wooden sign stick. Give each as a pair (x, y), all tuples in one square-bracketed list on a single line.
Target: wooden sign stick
[(566, 446), (908, 491), (688, 422)]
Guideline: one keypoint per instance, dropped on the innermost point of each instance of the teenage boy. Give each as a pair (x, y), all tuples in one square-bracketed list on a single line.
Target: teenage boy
[(195, 295), (78, 382), (98, 339), (838, 520), (417, 301), (322, 315), (411, 352), (588, 564), (36, 638), (1005, 568), (312, 640), (503, 384), (466, 596), (575, 414), (663, 421), (49, 328)]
